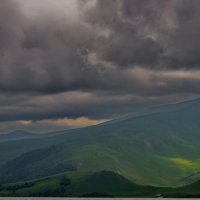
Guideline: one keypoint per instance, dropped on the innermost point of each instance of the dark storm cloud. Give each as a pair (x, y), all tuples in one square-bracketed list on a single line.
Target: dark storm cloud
[(41, 55), (183, 45), (108, 52), (129, 23), (163, 34)]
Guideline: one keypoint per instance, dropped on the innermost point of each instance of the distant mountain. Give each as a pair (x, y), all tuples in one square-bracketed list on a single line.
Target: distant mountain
[(15, 135), (160, 146)]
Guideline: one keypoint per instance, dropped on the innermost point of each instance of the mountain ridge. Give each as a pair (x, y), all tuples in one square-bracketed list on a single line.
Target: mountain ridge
[(139, 148)]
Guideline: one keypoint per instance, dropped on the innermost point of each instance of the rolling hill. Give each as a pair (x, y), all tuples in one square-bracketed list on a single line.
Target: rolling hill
[(159, 147)]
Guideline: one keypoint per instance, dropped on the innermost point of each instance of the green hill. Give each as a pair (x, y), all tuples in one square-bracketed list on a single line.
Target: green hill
[(158, 147)]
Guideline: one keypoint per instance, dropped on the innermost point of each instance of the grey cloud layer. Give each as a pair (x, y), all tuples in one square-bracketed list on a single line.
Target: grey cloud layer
[(104, 48)]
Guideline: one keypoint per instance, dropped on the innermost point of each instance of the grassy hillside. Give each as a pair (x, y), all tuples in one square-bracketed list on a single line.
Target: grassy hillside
[(192, 190), (160, 147)]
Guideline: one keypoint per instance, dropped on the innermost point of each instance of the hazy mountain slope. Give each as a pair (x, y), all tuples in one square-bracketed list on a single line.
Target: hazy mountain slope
[(158, 148)]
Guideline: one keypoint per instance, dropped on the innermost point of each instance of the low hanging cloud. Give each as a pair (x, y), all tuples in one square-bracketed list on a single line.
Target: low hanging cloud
[(95, 58), (45, 125)]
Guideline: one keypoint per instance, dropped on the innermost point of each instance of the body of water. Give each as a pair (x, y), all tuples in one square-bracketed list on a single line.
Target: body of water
[(49, 198)]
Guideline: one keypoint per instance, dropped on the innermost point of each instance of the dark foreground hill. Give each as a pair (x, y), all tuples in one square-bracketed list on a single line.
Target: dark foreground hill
[(100, 184), (159, 147)]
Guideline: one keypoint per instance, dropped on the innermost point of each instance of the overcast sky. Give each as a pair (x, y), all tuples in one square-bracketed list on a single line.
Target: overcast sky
[(71, 63)]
